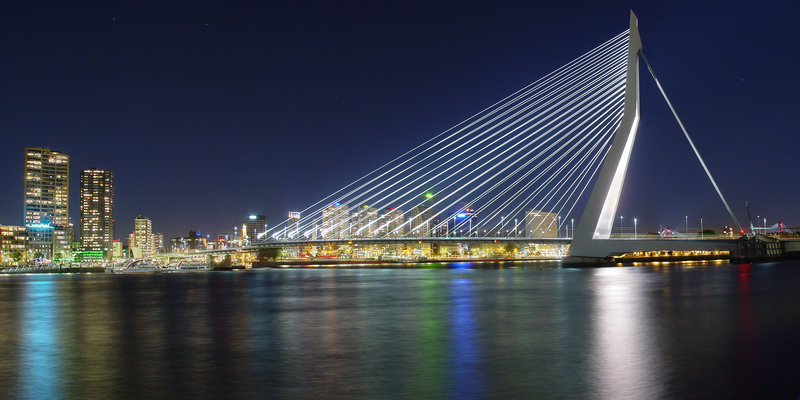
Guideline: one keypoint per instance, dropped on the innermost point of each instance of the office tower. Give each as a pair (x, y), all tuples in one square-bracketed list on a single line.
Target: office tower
[(97, 213), (255, 225), (46, 191), (141, 240), (293, 225), (158, 242)]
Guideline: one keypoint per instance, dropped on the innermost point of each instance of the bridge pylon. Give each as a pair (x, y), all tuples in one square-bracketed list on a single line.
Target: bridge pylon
[(598, 216)]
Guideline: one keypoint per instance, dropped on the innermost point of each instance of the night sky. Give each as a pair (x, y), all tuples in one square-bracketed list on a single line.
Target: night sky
[(209, 112)]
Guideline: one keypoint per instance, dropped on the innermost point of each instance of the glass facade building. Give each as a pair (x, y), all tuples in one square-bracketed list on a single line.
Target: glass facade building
[(46, 203), (97, 212)]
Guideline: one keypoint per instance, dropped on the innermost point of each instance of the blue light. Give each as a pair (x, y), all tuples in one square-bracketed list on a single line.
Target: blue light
[(47, 226), (461, 215), (336, 204)]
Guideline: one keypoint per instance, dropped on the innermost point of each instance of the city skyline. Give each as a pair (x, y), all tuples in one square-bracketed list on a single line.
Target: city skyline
[(198, 164)]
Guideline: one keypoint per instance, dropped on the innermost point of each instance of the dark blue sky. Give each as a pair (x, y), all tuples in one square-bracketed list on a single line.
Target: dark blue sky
[(209, 112)]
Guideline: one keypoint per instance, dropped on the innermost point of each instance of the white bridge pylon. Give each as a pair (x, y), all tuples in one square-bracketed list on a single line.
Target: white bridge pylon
[(592, 236), (598, 216)]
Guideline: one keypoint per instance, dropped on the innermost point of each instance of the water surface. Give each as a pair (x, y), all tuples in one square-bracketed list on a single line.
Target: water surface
[(703, 330)]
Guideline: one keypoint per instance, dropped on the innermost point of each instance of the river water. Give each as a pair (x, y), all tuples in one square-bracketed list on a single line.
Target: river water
[(694, 330)]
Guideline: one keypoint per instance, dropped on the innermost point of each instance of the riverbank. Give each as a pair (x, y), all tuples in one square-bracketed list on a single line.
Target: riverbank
[(51, 270), (350, 263)]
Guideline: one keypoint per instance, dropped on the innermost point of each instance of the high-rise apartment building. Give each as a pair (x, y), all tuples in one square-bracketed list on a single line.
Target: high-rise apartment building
[(46, 190), (364, 222), (391, 223), (97, 212), (421, 220), (335, 221)]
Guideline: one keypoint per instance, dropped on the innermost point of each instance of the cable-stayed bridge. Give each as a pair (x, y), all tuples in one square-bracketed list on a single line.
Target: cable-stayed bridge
[(544, 165)]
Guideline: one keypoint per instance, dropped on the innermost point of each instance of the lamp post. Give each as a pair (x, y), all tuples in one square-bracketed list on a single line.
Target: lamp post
[(621, 225), (635, 220), (702, 234), (515, 227), (686, 219), (572, 228), (558, 228)]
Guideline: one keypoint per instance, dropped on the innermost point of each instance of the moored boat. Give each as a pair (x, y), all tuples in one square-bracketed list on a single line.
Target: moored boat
[(140, 266), (192, 265)]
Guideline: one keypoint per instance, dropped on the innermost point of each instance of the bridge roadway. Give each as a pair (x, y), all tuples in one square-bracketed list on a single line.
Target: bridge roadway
[(402, 240), (613, 246)]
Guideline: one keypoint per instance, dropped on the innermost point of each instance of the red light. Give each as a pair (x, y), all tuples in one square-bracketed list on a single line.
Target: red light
[(741, 231)]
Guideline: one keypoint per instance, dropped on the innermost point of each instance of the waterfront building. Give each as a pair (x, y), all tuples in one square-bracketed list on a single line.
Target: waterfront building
[(116, 247), (188, 243), (294, 225), (335, 222), (392, 223), (62, 243), (255, 225), (420, 220), (141, 241), (541, 224), (463, 216), (158, 242), (13, 244), (364, 222), (97, 213), (46, 203)]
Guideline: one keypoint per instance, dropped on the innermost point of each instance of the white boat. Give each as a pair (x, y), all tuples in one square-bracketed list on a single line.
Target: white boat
[(139, 266), (192, 265)]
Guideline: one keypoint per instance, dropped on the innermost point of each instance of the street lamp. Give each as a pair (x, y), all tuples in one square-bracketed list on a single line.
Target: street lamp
[(686, 219), (702, 234), (558, 228), (635, 220), (621, 225), (572, 228)]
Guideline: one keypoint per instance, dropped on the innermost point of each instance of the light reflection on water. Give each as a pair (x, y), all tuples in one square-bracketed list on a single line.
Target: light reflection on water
[(539, 331), (625, 359), (40, 358)]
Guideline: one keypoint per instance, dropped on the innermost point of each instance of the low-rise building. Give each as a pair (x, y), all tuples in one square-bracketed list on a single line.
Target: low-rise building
[(541, 224), (13, 244)]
